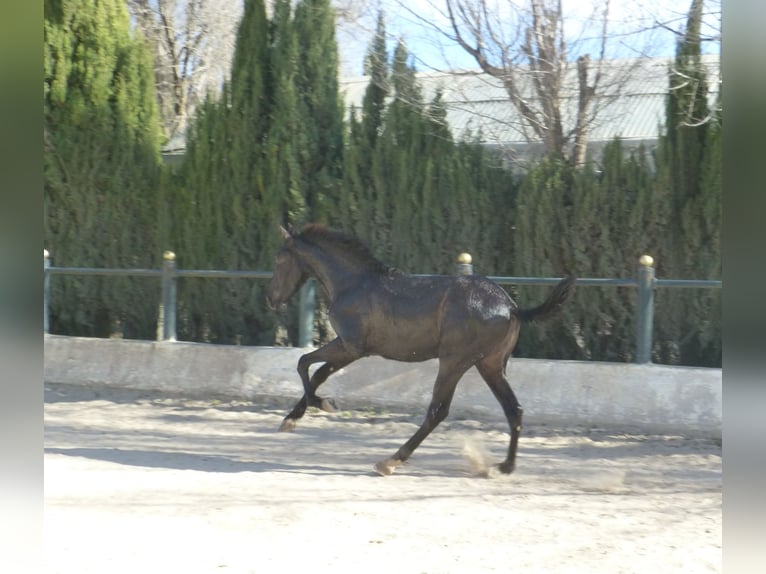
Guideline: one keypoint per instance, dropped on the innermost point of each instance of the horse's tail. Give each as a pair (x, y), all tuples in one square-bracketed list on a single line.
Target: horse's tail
[(551, 305)]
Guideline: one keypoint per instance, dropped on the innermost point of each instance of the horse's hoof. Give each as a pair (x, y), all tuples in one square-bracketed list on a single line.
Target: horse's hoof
[(386, 467), (328, 405), (506, 467), (288, 425)]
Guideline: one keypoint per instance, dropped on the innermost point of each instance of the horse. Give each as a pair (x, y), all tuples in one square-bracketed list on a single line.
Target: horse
[(463, 321)]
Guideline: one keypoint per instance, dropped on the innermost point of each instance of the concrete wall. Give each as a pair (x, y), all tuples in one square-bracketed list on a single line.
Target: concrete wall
[(651, 398)]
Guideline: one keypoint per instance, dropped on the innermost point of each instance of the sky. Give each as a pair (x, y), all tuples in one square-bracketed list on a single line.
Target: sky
[(417, 22)]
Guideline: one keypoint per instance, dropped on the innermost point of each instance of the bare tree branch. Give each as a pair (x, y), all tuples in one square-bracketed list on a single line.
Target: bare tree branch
[(535, 71), (192, 42)]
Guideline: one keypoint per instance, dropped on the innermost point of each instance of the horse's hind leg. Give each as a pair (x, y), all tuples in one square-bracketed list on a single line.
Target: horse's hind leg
[(491, 370), (444, 390), (335, 357)]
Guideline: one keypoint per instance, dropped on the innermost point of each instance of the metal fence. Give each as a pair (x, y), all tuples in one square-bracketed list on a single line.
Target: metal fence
[(645, 282)]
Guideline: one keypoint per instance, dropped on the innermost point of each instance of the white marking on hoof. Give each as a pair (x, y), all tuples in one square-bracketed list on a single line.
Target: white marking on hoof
[(328, 406), (288, 425), (386, 467)]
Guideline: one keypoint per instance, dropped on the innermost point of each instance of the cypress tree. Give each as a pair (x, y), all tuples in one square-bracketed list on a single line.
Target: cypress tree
[(320, 105), (483, 216), (598, 224), (686, 106), (347, 207), (594, 224), (362, 206), (431, 222), (628, 222), (419, 198), (288, 142), (543, 247), (377, 68), (402, 158), (101, 167), (232, 210), (689, 173), (268, 152), (706, 347)]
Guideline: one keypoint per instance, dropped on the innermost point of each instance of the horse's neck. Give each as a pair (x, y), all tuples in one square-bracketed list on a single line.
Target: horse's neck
[(332, 272)]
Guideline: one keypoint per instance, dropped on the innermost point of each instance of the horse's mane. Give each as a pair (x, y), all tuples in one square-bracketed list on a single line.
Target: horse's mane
[(343, 245)]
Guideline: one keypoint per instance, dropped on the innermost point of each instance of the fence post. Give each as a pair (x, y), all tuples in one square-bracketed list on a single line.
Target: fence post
[(168, 310), (464, 265), (645, 309), (306, 314), (46, 290)]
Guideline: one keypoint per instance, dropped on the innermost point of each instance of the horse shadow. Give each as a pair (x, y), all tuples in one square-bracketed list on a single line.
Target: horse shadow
[(192, 461)]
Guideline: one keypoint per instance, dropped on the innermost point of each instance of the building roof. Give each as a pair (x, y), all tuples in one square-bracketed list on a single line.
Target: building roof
[(631, 103)]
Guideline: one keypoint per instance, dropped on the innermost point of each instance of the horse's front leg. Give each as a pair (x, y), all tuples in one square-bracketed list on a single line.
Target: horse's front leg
[(335, 356)]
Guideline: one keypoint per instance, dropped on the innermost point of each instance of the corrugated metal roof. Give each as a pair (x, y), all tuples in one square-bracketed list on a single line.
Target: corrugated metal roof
[(630, 104)]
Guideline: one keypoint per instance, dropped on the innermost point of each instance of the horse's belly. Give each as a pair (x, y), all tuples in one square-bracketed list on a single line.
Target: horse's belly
[(409, 342), (408, 355)]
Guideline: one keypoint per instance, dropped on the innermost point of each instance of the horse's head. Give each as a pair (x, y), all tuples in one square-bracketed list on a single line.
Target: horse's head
[(289, 274)]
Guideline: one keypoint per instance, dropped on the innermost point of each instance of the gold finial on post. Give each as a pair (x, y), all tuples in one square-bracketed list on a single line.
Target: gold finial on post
[(464, 264), (169, 256), (646, 260), (465, 258)]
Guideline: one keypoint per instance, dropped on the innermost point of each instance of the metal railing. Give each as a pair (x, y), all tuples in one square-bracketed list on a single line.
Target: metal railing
[(645, 282)]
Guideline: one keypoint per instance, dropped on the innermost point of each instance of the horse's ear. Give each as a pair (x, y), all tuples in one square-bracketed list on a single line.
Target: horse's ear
[(286, 233)]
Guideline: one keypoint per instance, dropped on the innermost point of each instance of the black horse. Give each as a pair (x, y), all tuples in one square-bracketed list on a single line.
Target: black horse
[(464, 321)]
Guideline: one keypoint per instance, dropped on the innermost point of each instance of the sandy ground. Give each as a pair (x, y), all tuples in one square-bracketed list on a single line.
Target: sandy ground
[(145, 483)]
